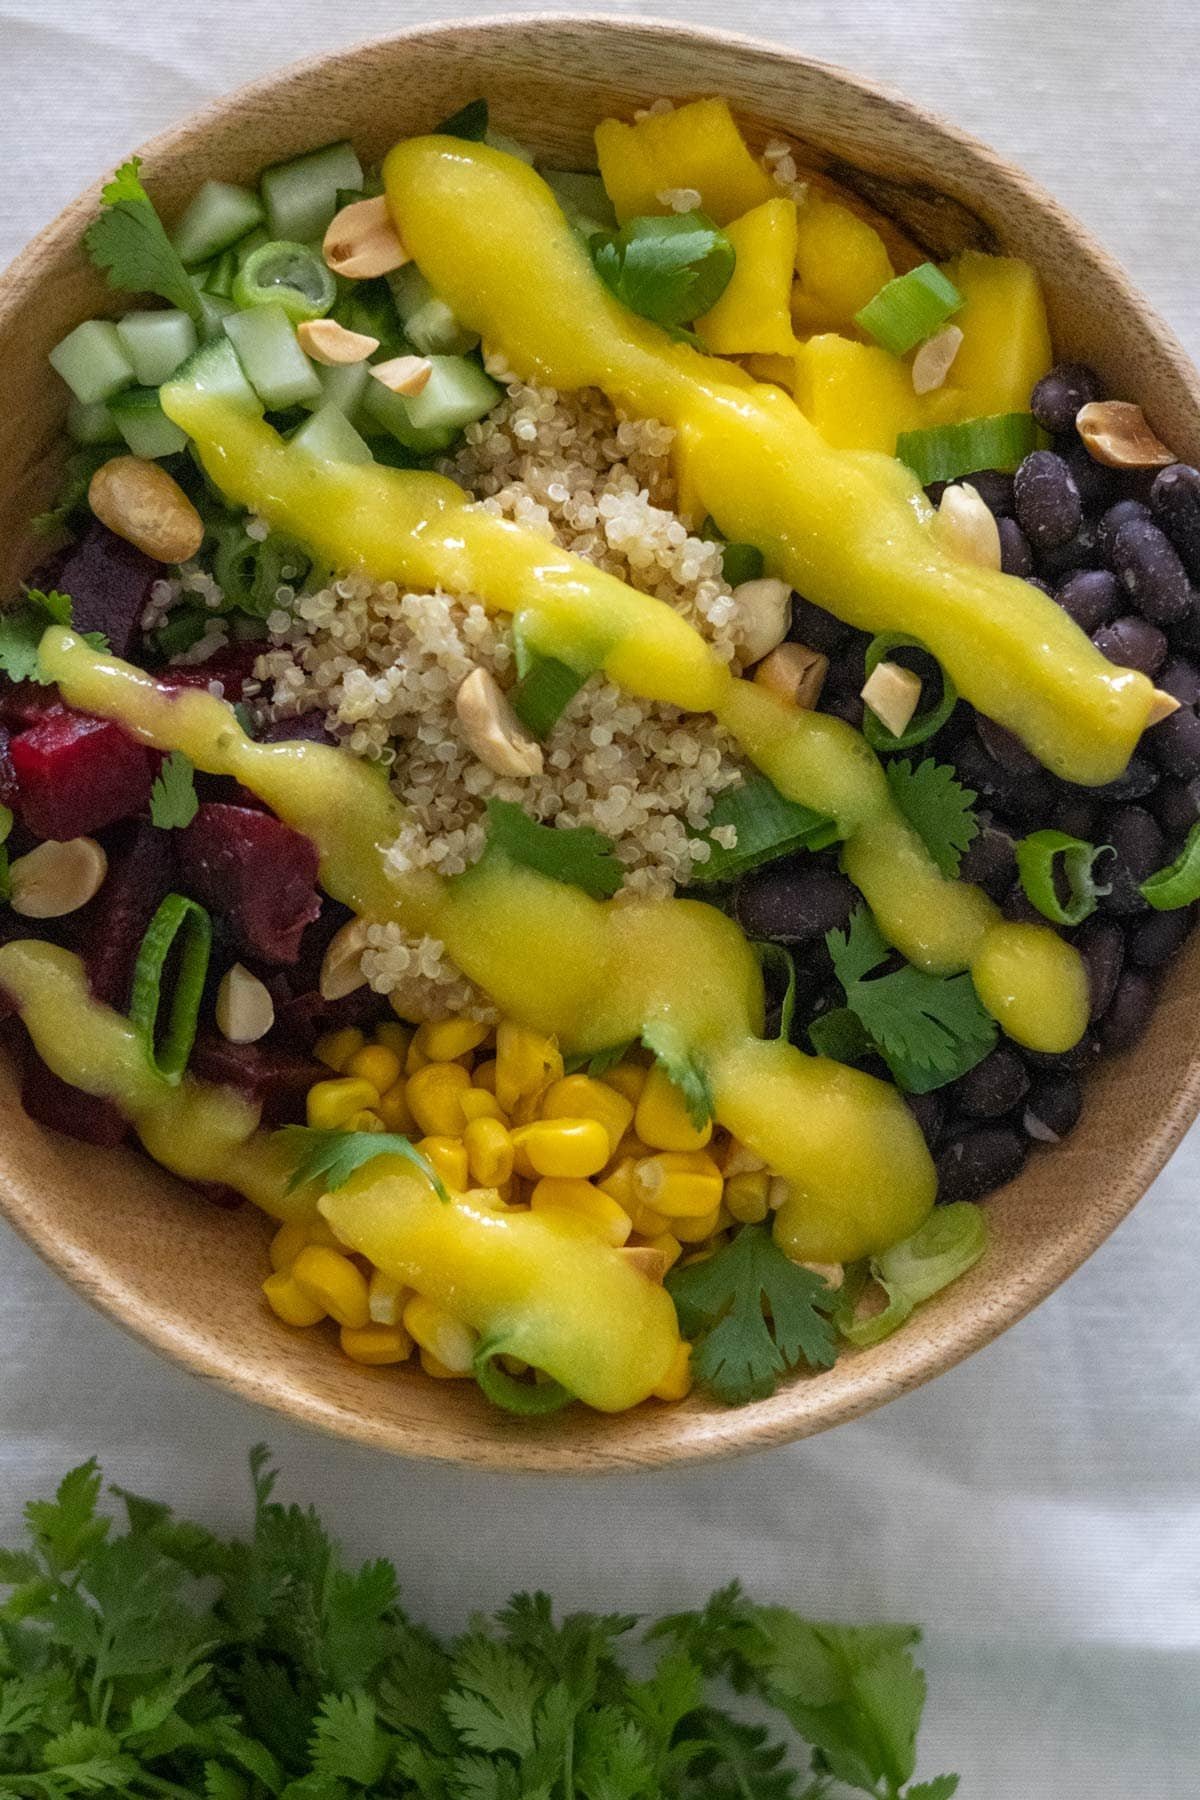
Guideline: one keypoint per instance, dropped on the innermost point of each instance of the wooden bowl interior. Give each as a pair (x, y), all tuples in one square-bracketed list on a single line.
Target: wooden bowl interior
[(184, 1275)]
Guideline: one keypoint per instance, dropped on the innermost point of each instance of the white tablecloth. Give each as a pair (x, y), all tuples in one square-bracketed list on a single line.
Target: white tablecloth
[(1038, 1509)]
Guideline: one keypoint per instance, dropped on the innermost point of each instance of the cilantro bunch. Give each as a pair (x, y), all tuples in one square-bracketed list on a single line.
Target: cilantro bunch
[(166, 1661)]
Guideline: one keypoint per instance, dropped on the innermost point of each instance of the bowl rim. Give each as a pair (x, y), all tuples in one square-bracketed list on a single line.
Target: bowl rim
[(912, 1357)]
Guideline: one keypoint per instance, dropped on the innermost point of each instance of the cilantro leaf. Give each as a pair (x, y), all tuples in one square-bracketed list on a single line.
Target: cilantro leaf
[(21, 629), (722, 1304), (347, 1743), (576, 855), (130, 243), (942, 1787), (929, 1029), (331, 1157), (665, 1043), (493, 1705), (669, 270), (173, 802), (597, 1062), (938, 807)]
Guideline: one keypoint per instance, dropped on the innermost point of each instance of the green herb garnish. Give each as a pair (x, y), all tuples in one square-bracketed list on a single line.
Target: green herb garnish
[(682, 1066), (723, 1305), (6, 825), (597, 1062), (130, 243), (330, 1158), (576, 855), (179, 932), (938, 807), (910, 309), (669, 270), (470, 122), (1178, 884), (173, 802), (951, 1241), (768, 826), (544, 692), (22, 627), (923, 724), (1046, 856)]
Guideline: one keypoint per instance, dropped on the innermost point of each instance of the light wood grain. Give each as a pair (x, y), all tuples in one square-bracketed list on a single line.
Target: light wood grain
[(182, 1275)]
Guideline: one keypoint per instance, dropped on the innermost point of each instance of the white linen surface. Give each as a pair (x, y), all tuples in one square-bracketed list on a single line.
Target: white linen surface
[(1038, 1510)]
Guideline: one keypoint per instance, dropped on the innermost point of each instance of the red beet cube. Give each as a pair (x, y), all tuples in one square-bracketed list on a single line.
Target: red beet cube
[(25, 703), (109, 582), (75, 775), (254, 871), (232, 667), (279, 1079), (61, 1107)]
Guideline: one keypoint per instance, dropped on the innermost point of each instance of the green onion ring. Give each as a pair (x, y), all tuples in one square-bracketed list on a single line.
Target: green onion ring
[(525, 1399), (1178, 884), (175, 915), (1037, 856), (922, 725)]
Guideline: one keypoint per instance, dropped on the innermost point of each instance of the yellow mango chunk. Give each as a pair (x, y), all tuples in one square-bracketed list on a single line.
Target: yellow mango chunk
[(860, 396), (695, 146), (842, 262), (1006, 340), (754, 312)]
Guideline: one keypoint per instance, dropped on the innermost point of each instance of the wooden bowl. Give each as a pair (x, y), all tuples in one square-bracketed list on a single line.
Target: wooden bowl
[(183, 1275)]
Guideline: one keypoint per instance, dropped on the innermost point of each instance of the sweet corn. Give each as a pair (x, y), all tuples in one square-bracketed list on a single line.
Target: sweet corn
[(562, 1147), (485, 1076), (438, 1370), (377, 1064), (332, 1280), (366, 1120), (526, 1063), (290, 1302), (618, 1182), (287, 1244), (676, 1384), (669, 1246), (646, 1222), (394, 1110), (440, 1334), (376, 1344), (568, 1194), (746, 1196), (478, 1103), (489, 1152), (448, 1156), (414, 1058), (385, 1298), (445, 1040), (627, 1078), (738, 1159), (679, 1183), (697, 1230), (582, 1097), (331, 1103), (336, 1048), (662, 1118), (435, 1098), (394, 1037)]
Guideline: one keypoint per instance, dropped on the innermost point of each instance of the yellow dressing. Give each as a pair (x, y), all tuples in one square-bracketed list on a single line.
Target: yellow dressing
[(833, 523)]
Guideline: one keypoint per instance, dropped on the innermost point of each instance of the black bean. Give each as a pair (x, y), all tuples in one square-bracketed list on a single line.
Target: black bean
[(929, 1110), (1129, 1014), (1138, 844), (1059, 395), (1176, 743), (1052, 1110), (813, 626), (1004, 746), (994, 1086), (1016, 558), (1140, 778), (846, 705), (1079, 552), (1098, 487), (1091, 597), (1175, 500), (1101, 944), (990, 859), (1021, 795), (1048, 506), (971, 1164), (1077, 814), (1155, 939), (793, 905), (1177, 807), (1042, 586), (1180, 677), (1066, 1062), (1132, 643), (1148, 568), (995, 489), (1019, 908), (1117, 515)]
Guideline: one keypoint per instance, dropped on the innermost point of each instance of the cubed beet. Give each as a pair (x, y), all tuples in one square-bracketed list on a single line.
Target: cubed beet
[(254, 871), (61, 1107), (76, 774), (141, 871), (278, 1079), (24, 703), (232, 667), (109, 582)]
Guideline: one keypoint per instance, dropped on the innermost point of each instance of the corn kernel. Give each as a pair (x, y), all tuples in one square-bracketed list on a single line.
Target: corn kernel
[(287, 1243), (739, 1159), (477, 1103), (779, 1192), (484, 1076), (567, 1194), (489, 1152), (679, 1183), (366, 1120), (394, 1037), (330, 1103), (377, 1064), (394, 1110), (415, 1058), (646, 1222), (669, 1246), (627, 1078), (376, 1344), (618, 1182), (676, 1384), (662, 1116), (385, 1298), (697, 1230), (444, 1337), (445, 1040), (580, 1097), (435, 1099), (526, 1063), (438, 1370), (336, 1048), (448, 1155), (331, 1279), (289, 1301), (563, 1146), (746, 1196)]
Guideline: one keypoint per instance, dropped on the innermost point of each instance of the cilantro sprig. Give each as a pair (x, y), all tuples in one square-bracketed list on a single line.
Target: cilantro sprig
[(129, 242), (669, 270), (576, 855), (160, 1659), (173, 801), (938, 807), (22, 627), (332, 1157)]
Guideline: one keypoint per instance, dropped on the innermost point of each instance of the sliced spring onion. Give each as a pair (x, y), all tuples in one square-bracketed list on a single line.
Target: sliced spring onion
[(922, 725), (289, 275), (470, 122), (910, 309), (183, 920), (768, 826), (944, 452), (1178, 884), (6, 825), (739, 562), (1043, 857), (775, 956), (527, 1399), (544, 692), (952, 1240)]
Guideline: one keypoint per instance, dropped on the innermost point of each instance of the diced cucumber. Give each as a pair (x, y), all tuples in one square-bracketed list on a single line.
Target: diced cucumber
[(500, 140), (156, 343), (144, 425), (92, 424), (215, 370), (217, 276), (92, 361), (253, 240), (583, 199), (265, 340), (343, 385), (301, 195), (428, 323), (330, 436), (217, 308), (457, 393), (219, 215), (384, 411), (369, 308)]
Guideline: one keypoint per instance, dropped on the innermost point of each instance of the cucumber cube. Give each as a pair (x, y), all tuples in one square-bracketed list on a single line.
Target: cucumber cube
[(219, 215), (342, 385), (456, 393), (156, 343), (278, 370), (384, 411), (215, 370), (583, 199), (92, 361), (330, 437), (145, 426), (429, 325), (301, 196), (91, 424)]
